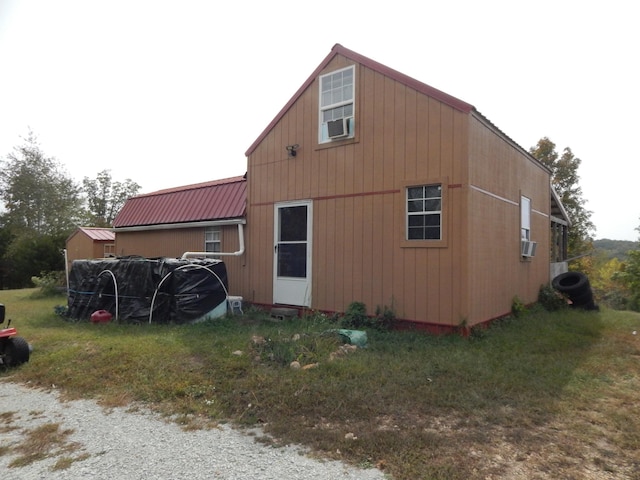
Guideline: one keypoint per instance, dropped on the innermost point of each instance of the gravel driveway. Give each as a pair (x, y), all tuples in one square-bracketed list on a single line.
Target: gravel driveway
[(117, 444)]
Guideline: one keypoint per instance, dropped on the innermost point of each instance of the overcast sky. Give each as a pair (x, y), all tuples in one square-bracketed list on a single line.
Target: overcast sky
[(172, 93)]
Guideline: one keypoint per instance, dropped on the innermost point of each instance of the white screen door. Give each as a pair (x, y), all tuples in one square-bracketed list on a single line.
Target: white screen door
[(292, 253)]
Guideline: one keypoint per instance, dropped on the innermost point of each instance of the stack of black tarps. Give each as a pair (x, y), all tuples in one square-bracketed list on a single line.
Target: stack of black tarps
[(142, 290)]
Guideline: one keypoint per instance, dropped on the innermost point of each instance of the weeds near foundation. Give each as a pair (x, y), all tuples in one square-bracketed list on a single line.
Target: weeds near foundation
[(544, 391)]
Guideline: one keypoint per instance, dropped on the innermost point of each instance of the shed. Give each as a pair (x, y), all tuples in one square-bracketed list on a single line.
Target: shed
[(90, 242)]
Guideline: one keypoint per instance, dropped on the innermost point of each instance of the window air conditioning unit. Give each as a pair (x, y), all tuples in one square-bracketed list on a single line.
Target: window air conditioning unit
[(338, 128), (528, 248)]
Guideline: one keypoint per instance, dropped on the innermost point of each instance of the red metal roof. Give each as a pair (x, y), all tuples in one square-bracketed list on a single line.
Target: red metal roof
[(96, 234), (99, 234), (214, 200)]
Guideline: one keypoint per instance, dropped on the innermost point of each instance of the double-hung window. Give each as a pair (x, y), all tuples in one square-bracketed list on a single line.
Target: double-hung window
[(424, 212), (337, 93), (212, 239)]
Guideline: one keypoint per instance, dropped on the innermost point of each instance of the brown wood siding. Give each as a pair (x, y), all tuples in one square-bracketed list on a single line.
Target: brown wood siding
[(173, 243), (500, 174), (257, 276), (357, 188), (81, 247)]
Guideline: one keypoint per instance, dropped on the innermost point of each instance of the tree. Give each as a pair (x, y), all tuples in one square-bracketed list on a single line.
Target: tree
[(565, 178), (32, 255), (106, 197), (630, 277), (6, 238), (42, 206), (38, 196), (607, 284)]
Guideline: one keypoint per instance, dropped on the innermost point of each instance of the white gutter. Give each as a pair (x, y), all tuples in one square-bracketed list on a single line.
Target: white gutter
[(221, 254), (171, 226)]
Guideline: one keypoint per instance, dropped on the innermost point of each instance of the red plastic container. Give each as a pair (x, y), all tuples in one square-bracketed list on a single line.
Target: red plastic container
[(101, 316)]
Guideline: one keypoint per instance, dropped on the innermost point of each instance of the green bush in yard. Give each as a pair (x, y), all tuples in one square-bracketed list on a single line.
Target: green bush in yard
[(550, 299)]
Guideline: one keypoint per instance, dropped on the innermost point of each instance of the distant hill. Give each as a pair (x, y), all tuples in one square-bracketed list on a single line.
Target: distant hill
[(615, 248)]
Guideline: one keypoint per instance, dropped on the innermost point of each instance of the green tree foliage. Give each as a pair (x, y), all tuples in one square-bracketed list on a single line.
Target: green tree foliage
[(6, 237), (106, 197), (565, 178), (614, 248), (39, 198), (32, 255), (630, 277), (606, 283), (42, 206)]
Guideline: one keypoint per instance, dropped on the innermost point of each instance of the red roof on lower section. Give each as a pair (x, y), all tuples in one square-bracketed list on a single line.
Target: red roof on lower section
[(215, 200), (96, 234)]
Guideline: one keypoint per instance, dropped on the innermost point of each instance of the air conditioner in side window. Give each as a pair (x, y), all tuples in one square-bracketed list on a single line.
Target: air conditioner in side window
[(338, 128), (528, 248)]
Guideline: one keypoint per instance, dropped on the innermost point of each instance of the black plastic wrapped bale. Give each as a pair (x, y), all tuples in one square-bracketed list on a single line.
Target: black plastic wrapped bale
[(576, 286), (141, 290)]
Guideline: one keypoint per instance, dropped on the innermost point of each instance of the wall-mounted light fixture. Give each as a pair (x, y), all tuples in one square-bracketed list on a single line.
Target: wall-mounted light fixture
[(291, 150)]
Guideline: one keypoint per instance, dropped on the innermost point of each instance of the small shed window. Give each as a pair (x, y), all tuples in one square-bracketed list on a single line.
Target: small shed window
[(212, 239), (424, 212), (337, 93)]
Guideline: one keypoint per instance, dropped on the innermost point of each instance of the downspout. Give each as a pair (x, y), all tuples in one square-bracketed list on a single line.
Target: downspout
[(216, 254)]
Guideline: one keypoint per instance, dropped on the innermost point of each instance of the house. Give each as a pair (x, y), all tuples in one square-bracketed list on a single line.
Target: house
[(90, 242), (371, 186), (200, 220)]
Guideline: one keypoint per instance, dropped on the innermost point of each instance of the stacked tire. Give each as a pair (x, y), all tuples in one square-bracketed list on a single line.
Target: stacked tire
[(575, 286)]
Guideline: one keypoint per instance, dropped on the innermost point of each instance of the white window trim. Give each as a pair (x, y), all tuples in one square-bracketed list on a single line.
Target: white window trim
[(214, 242), (322, 126)]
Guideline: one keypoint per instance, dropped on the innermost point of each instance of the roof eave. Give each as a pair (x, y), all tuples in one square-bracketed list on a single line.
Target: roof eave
[(174, 226)]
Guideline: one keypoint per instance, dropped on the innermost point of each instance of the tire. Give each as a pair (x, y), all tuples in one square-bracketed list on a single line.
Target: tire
[(571, 283), (16, 352), (583, 299)]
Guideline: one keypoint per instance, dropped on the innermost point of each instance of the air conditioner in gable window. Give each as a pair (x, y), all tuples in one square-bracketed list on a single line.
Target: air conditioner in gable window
[(528, 248), (338, 128)]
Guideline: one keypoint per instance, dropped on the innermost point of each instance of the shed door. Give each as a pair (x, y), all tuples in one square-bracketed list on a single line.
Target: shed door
[(292, 253)]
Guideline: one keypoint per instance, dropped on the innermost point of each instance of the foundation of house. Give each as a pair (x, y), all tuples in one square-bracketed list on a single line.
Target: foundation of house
[(281, 313)]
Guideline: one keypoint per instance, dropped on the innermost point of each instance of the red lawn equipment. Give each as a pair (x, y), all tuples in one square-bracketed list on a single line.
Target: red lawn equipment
[(14, 350)]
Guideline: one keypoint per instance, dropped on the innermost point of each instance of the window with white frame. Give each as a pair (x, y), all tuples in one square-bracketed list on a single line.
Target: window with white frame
[(212, 239), (109, 250), (525, 218), (424, 212), (337, 93)]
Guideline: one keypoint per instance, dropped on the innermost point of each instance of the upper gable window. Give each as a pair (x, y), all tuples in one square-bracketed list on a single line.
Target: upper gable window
[(337, 93)]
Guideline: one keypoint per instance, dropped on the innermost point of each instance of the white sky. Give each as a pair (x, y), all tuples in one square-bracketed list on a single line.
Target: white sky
[(172, 93)]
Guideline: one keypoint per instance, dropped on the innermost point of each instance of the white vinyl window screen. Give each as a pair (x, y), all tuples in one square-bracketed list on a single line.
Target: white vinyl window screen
[(424, 212), (337, 93), (212, 239), (525, 218)]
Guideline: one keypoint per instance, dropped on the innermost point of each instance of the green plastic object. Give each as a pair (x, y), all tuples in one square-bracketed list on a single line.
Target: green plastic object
[(353, 337)]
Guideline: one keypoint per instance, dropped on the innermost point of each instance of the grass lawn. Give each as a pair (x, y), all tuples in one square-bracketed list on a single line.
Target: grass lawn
[(544, 395)]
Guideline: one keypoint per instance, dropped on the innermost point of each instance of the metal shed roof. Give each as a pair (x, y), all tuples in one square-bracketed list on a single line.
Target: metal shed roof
[(215, 200), (96, 234)]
